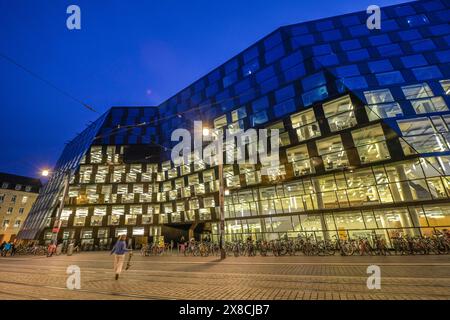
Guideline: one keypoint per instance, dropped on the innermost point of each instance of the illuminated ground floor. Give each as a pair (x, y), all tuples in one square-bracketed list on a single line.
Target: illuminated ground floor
[(386, 222)]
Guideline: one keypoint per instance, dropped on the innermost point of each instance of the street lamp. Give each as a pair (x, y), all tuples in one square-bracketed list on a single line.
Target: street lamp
[(58, 222), (45, 173)]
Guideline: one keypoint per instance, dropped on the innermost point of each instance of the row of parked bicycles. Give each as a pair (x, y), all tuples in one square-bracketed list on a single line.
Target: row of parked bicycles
[(308, 246)]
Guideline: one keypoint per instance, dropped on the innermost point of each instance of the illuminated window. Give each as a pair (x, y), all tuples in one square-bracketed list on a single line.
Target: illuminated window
[(370, 143), (445, 86), (340, 114), (420, 135), (96, 154), (332, 152), (299, 158), (306, 125), (417, 91)]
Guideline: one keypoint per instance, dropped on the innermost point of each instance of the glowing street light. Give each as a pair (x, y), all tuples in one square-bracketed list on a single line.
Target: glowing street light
[(45, 173), (205, 132)]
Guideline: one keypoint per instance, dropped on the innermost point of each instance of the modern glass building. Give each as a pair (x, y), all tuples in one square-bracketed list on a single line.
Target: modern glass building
[(365, 141)]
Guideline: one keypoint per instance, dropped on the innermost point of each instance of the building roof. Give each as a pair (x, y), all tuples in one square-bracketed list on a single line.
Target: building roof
[(10, 181)]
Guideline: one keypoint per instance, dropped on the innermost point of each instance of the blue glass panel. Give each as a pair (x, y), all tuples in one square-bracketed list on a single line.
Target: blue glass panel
[(404, 11), (440, 29), (272, 40), (357, 55), (413, 61), (185, 94), (274, 54), (284, 93), (242, 86), (223, 95), (199, 85), (291, 60), (250, 54), (359, 30), (324, 25), (302, 41), (321, 49), (408, 35), (299, 29), (354, 83), (423, 45), (312, 96), (295, 72), (260, 104), (350, 44), (132, 139), (284, 108), (379, 40), (265, 74), (418, 20), (331, 35), (347, 71), (389, 25), (250, 68), (443, 16), (250, 94), (259, 118), (432, 5), (231, 66), (227, 105), (196, 99), (380, 66), (313, 81), (214, 76), (447, 39), (388, 78), (443, 56), (325, 61), (390, 50), (269, 85), (212, 89), (229, 79), (425, 73)]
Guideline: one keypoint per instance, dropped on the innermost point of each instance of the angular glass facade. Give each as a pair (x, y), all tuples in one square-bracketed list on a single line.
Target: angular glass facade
[(364, 139)]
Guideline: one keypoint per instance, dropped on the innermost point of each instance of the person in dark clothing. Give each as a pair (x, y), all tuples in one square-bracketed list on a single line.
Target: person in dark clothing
[(2, 246), (13, 248)]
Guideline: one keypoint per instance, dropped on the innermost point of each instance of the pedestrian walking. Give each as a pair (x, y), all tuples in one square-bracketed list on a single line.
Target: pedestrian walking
[(51, 249), (13, 248), (6, 249), (119, 250), (2, 246)]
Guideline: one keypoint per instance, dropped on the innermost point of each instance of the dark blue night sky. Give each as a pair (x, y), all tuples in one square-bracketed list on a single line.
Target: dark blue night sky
[(127, 53)]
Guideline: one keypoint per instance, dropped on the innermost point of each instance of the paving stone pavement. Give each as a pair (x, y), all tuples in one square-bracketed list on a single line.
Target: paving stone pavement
[(243, 278)]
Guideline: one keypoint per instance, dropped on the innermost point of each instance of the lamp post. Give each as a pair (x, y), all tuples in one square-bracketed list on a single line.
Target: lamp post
[(58, 222), (223, 253)]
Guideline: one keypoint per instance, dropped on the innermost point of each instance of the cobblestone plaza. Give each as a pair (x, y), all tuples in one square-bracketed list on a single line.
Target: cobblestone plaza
[(253, 278)]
